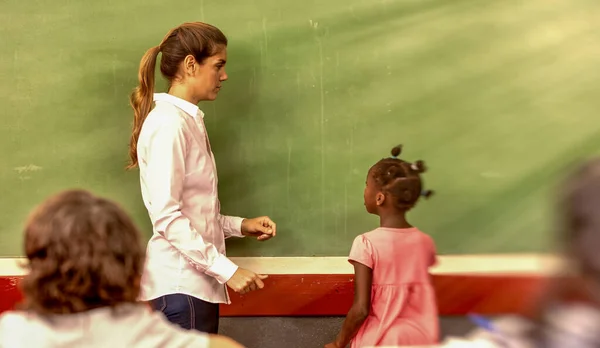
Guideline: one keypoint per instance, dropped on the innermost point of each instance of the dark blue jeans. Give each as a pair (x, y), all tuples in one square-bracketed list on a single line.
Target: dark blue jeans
[(189, 312)]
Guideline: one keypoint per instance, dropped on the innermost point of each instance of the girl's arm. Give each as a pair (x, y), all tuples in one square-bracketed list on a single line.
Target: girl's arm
[(363, 278)]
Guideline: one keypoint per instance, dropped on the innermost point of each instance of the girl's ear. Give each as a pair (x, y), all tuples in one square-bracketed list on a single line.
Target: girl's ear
[(379, 198)]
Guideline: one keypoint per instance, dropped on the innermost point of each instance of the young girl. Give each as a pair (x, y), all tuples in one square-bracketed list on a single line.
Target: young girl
[(186, 267), (85, 261), (394, 301)]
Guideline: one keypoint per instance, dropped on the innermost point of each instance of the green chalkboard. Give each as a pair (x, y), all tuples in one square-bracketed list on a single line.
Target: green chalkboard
[(498, 97)]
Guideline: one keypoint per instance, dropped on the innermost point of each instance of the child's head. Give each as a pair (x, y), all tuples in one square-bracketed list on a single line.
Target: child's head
[(193, 58), (394, 185), (579, 236), (581, 206), (83, 252)]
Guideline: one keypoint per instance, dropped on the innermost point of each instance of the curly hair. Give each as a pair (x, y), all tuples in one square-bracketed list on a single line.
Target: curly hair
[(83, 252), (400, 179)]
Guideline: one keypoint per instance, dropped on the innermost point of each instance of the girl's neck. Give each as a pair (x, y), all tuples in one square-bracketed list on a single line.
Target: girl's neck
[(397, 220)]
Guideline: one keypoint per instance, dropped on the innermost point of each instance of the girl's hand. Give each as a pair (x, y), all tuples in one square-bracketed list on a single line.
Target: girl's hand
[(331, 345)]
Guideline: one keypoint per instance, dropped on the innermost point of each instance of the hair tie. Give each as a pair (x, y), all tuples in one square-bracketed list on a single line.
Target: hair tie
[(414, 167), (426, 193)]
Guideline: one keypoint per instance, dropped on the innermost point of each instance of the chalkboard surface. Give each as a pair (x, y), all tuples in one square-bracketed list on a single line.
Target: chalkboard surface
[(498, 97)]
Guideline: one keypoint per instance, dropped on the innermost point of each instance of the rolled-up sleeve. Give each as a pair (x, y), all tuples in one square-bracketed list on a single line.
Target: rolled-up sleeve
[(165, 174)]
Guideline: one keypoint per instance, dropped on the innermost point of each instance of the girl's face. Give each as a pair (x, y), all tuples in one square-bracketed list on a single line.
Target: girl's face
[(209, 75), (372, 196)]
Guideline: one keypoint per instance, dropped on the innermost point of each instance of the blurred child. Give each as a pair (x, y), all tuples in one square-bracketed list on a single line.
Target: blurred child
[(394, 301), (568, 314), (85, 260)]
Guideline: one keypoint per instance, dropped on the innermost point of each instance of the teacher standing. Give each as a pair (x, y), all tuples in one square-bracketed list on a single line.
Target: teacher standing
[(186, 268)]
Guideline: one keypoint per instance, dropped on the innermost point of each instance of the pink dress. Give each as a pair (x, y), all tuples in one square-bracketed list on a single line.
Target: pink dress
[(403, 305)]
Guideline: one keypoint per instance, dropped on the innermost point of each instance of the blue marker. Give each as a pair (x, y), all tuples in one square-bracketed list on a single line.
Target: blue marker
[(487, 325)]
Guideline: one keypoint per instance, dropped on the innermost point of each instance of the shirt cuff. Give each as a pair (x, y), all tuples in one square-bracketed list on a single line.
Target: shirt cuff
[(222, 269), (236, 224)]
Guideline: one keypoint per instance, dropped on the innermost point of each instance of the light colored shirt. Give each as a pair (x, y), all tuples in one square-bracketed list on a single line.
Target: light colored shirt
[(130, 326), (178, 178)]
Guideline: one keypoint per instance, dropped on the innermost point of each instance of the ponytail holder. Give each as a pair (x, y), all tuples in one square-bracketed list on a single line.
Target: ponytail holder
[(414, 167), (426, 193)]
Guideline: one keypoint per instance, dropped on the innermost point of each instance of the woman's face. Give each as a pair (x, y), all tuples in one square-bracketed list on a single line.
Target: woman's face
[(209, 76)]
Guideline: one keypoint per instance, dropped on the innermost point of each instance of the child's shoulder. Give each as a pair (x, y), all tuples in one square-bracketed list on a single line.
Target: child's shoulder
[(12, 318), (382, 231), (370, 233), (13, 325), (363, 240), (421, 233), (368, 236), (424, 234), (381, 236)]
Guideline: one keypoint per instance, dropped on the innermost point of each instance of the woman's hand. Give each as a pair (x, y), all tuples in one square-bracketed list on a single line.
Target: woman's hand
[(244, 281), (262, 228)]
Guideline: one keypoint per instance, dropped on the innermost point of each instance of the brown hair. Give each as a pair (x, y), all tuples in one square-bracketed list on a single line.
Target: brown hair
[(83, 252), (400, 179), (198, 39)]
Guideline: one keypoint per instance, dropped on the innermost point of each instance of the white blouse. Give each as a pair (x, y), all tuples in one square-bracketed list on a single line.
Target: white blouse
[(178, 177), (131, 326)]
